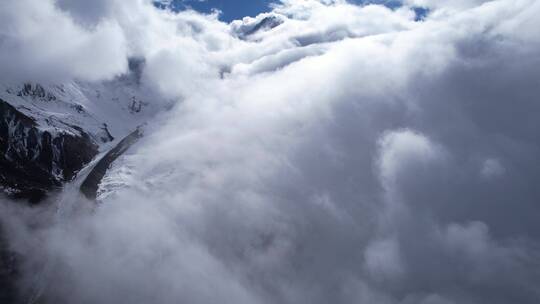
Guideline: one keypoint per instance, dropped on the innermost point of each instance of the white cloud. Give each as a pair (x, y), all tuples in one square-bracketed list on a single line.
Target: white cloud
[(333, 159), (46, 43), (402, 151)]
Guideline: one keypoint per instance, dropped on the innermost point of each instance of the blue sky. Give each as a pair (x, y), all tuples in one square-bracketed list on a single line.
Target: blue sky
[(236, 9), (232, 9)]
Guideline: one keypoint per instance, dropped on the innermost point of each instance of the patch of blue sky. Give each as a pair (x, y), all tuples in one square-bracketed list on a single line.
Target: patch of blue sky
[(237, 9)]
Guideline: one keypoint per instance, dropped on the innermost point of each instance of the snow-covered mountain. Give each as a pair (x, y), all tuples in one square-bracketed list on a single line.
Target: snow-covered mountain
[(48, 132), (249, 27)]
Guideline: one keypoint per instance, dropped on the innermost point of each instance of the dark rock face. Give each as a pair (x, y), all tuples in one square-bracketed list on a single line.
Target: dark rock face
[(34, 161), (35, 91)]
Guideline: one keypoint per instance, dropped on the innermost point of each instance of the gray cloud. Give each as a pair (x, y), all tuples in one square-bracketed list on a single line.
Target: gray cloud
[(396, 165)]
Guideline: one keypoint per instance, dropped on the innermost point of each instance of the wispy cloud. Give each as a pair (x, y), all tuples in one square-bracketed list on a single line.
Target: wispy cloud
[(348, 155)]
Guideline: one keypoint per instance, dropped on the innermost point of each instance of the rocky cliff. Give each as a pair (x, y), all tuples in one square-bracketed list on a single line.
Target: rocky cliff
[(34, 160)]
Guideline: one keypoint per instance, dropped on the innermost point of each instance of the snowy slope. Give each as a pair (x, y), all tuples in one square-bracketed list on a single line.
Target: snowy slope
[(56, 129), (115, 107)]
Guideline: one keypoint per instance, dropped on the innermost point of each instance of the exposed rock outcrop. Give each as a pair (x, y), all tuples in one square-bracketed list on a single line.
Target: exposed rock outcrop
[(34, 160)]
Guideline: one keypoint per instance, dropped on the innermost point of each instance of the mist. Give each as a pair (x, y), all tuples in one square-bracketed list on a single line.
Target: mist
[(351, 154)]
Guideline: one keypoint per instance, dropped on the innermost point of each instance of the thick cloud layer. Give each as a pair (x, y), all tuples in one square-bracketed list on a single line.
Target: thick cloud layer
[(348, 155), (39, 40)]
